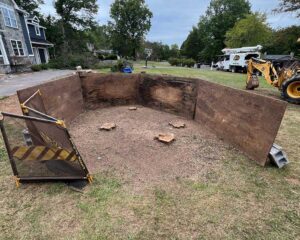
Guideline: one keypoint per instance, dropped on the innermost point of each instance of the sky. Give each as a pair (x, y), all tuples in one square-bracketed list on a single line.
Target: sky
[(173, 19)]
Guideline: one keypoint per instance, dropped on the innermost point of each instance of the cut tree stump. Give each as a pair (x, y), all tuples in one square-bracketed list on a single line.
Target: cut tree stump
[(165, 137), (177, 124), (108, 126)]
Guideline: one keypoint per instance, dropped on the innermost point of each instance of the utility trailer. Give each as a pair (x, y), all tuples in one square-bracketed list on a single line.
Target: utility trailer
[(236, 59)]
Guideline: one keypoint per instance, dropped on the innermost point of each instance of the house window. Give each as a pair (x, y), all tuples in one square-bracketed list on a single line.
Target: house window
[(9, 17), (37, 30), (17, 48)]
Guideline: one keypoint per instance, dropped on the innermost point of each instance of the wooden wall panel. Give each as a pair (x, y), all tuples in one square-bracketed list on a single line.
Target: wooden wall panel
[(247, 120), (62, 98), (101, 90), (167, 93)]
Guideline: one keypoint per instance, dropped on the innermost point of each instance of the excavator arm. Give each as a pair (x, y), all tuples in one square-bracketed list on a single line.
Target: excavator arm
[(266, 68)]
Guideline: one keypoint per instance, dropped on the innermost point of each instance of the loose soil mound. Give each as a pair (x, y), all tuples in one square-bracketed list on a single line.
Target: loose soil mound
[(131, 151)]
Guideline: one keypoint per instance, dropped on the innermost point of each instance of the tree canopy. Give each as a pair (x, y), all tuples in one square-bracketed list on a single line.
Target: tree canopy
[(30, 6), (289, 6), (284, 41), (131, 21), (250, 31), (78, 13), (192, 44), (220, 16), (160, 51), (74, 15)]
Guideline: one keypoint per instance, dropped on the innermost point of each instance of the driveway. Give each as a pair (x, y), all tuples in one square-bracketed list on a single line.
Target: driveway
[(9, 84)]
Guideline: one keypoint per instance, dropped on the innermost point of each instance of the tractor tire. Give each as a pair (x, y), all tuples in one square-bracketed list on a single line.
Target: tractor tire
[(291, 90)]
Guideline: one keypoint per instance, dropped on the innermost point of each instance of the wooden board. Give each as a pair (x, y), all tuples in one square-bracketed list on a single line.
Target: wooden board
[(101, 90), (247, 120), (167, 93), (62, 98)]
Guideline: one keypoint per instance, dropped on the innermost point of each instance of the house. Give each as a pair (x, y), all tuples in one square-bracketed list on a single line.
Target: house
[(38, 40), (22, 39)]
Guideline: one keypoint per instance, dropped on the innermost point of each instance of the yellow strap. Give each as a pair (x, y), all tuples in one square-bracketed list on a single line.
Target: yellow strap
[(90, 178), (17, 181), (20, 152)]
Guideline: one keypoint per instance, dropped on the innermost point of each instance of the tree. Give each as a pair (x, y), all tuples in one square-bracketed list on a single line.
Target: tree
[(160, 51), (289, 6), (174, 51), (284, 41), (131, 21), (220, 16), (250, 31), (30, 6), (75, 14), (192, 45), (98, 36), (53, 34)]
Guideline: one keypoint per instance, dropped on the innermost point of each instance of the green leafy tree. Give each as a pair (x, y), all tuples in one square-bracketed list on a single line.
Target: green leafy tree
[(174, 51), (284, 41), (53, 34), (160, 51), (220, 16), (30, 6), (75, 14), (98, 36), (289, 6), (250, 31), (192, 45), (131, 21)]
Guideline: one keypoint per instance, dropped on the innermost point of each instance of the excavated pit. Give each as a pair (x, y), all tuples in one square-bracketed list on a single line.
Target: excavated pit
[(218, 119), (131, 152)]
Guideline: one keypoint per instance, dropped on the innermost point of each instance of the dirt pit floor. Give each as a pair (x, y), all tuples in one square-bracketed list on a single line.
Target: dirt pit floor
[(131, 152)]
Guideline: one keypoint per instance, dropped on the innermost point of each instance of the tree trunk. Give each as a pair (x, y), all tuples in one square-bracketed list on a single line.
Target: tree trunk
[(65, 42), (134, 53)]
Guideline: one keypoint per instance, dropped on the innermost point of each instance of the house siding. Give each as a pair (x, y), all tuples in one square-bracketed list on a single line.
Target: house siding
[(26, 35), (33, 34), (13, 33)]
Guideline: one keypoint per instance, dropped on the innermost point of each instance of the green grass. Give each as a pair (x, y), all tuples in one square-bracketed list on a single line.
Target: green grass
[(236, 80), (236, 199)]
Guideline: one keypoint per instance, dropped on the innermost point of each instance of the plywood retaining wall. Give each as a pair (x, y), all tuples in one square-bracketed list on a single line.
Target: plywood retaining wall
[(246, 120)]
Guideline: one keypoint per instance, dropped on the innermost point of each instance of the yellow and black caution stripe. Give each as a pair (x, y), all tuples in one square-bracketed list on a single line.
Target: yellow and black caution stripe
[(42, 153)]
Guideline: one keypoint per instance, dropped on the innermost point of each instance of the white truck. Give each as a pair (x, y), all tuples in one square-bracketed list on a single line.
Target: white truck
[(235, 59)]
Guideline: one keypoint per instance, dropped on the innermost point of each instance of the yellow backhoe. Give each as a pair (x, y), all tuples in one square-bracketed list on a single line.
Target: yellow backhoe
[(286, 79)]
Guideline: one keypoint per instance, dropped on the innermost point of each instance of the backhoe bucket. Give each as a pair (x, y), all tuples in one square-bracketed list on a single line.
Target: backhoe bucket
[(252, 83)]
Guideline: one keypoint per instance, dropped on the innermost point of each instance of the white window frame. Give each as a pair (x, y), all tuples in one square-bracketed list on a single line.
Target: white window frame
[(10, 17), (18, 48), (37, 30)]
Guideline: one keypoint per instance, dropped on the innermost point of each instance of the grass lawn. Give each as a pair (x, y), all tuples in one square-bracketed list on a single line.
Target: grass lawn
[(236, 199)]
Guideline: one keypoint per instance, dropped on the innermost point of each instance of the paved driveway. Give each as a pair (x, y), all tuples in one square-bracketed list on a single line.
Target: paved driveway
[(9, 84)]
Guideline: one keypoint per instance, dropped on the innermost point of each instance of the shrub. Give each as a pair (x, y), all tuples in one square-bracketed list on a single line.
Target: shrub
[(101, 57), (174, 61), (72, 61), (188, 62), (44, 66), (111, 57), (120, 65), (182, 62), (36, 68)]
